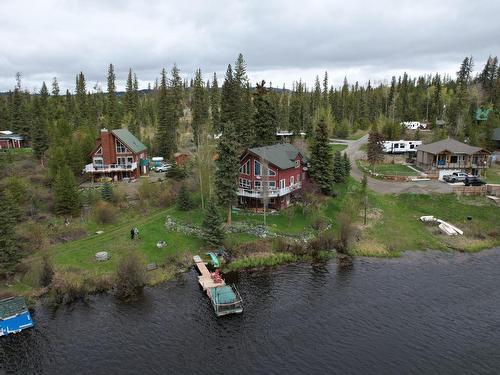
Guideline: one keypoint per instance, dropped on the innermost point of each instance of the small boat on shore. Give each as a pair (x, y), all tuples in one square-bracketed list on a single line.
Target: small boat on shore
[(225, 298)]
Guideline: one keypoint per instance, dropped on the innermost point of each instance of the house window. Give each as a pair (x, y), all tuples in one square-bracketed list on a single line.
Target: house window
[(121, 161), (297, 163), (292, 181), (282, 184), (257, 185), (272, 185), (130, 160), (99, 151), (245, 184), (270, 172), (120, 147), (98, 161), (256, 167), (245, 168), (453, 159)]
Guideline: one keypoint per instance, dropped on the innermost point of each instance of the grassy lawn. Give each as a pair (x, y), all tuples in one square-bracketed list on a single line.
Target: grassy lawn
[(338, 147), (493, 174), (391, 169)]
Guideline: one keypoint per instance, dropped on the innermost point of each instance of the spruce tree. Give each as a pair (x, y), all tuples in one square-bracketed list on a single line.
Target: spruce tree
[(199, 106), (338, 167), (347, 165), (215, 104), (164, 140), (9, 251), (212, 226), (81, 111), (184, 200), (19, 112), (227, 169), (321, 159), (111, 102), (107, 192), (66, 197), (40, 137), (375, 152), (265, 121)]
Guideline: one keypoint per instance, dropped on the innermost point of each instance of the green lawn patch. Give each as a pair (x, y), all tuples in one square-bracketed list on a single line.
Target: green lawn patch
[(390, 169), (357, 134), (492, 175)]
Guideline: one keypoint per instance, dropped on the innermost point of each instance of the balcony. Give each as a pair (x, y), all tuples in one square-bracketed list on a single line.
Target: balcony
[(271, 192), (105, 168)]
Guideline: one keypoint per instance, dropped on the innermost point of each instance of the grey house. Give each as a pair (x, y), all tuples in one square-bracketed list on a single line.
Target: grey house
[(450, 154)]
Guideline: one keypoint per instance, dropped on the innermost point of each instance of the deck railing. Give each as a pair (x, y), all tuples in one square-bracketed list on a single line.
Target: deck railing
[(90, 168), (271, 192)]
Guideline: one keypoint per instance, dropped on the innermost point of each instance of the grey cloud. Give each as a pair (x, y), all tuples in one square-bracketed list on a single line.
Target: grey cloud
[(284, 40)]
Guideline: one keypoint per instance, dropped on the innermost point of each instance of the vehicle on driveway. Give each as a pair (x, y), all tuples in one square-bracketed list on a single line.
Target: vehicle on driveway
[(164, 168), (455, 177), (473, 181)]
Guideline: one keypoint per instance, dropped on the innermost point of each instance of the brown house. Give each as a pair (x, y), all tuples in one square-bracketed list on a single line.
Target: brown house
[(118, 154), (286, 168), (441, 157), (9, 139)]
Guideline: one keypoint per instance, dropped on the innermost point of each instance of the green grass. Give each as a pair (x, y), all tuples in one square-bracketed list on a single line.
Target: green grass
[(493, 174), (18, 151), (391, 169), (338, 147)]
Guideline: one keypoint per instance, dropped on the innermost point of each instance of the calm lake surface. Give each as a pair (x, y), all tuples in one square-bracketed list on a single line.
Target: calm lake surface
[(433, 313)]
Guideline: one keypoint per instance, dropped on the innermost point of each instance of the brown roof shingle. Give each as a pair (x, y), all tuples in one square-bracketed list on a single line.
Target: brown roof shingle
[(450, 145)]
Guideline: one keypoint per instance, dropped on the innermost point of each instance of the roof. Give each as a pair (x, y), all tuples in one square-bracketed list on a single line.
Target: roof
[(129, 139), (496, 134), (12, 306), (281, 155), (450, 145), (7, 134)]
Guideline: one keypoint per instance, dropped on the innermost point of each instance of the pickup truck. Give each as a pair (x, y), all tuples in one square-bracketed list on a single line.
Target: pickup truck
[(473, 181), (163, 168), (455, 177)]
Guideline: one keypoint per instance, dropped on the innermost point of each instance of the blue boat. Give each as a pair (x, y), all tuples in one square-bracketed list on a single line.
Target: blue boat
[(14, 316)]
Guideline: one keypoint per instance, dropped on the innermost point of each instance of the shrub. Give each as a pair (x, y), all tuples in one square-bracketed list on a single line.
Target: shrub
[(130, 274), (324, 241), (184, 200), (31, 236), (178, 260), (248, 248), (320, 223), (105, 213), (67, 287), (107, 192), (165, 197), (46, 271), (345, 233)]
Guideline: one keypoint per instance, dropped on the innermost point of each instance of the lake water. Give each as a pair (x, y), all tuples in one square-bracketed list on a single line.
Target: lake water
[(434, 313)]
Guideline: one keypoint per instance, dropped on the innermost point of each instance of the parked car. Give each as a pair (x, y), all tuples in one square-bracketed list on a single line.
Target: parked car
[(473, 181), (455, 177), (163, 168)]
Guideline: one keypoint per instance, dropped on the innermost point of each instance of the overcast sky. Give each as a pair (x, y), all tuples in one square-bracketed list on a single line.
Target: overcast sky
[(281, 41)]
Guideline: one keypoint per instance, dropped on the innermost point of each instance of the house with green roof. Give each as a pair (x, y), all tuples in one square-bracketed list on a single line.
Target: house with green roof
[(118, 154), (271, 175)]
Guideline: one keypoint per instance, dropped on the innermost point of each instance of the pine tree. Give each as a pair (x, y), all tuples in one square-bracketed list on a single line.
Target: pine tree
[(265, 122), (227, 169), (81, 111), (9, 251), (164, 133), (19, 113), (347, 165), (321, 159), (66, 197), (184, 200), (375, 151), (199, 106), (215, 105), (228, 103), (130, 105), (338, 167), (107, 192), (111, 102), (40, 137), (212, 226)]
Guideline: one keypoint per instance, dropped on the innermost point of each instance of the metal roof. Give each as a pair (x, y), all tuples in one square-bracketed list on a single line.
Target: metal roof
[(450, 145), (129, 139), (281, 155), (12, 306)]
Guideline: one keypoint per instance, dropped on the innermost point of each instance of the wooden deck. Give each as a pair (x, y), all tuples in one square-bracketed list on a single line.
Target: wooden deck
[(205, 279)]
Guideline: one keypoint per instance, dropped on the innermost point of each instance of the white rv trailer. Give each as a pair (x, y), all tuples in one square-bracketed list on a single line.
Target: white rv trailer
[(413, 125), (399, 147)]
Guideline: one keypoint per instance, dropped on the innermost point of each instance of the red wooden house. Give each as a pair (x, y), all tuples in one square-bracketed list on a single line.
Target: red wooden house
[(9, 139), (118, 154), (286, 168)]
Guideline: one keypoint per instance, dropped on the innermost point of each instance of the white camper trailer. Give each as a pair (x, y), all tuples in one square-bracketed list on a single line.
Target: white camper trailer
[(413, 125), (399, 147)]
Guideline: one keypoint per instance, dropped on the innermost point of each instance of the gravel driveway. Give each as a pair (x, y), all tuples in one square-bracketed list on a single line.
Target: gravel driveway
[(389, 187)]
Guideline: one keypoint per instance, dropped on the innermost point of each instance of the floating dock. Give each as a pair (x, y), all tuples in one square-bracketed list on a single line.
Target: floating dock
[(225, 298), (14, 316)]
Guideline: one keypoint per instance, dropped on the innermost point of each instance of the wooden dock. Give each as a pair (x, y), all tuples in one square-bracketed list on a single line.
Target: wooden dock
[(205, 279)]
